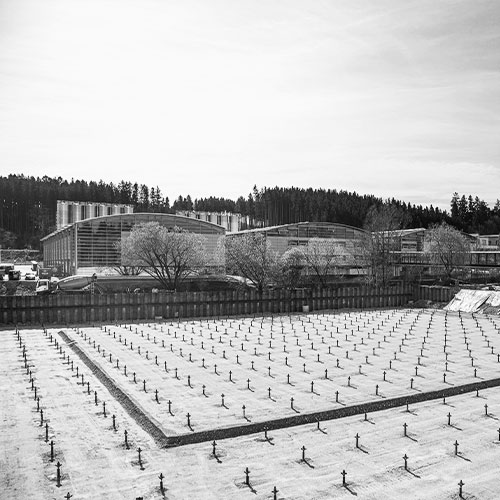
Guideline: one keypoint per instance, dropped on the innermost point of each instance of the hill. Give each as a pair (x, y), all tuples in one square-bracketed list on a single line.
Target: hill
[(28, 206)]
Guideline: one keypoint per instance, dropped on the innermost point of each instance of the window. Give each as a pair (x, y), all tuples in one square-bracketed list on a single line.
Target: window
[(294, 243)]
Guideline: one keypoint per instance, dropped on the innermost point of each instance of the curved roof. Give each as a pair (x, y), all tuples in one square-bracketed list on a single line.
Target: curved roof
[(126, 221), (308, 230)]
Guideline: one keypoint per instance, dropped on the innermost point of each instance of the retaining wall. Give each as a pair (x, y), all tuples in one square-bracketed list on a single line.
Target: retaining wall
[(85, 308), (435, 293)]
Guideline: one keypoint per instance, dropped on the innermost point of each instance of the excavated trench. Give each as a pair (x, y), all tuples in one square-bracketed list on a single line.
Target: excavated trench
[(155, 430)]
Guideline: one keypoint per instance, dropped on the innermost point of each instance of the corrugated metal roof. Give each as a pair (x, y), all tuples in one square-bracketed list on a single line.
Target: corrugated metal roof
[(141, 217)]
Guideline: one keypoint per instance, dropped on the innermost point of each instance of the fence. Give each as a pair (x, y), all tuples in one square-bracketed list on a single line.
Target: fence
[(436, 293), (86, 308)]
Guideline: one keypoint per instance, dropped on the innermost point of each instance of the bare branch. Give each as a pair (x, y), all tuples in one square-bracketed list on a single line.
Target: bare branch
[(167, 255)]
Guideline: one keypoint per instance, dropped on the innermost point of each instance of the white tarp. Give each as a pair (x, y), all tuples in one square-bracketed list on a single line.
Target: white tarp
[(494, 299), (473, 300)]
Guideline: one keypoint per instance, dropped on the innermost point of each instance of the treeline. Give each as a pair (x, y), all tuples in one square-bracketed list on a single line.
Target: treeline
[(28, 206), (275, 206), (473, 215), (287, 205)]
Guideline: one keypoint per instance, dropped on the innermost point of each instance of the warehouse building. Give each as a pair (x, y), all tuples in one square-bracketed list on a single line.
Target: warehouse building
[(69, 212), (90, 245), (284, 237), (409, 240), (229, 221), (287, 236)]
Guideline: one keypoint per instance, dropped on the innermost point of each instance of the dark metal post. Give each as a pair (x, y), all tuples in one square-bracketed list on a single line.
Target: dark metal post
[(58, 483), (140, 461), (460, 486)]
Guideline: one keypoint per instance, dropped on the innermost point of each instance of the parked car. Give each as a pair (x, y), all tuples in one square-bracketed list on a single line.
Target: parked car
[(30, 275)]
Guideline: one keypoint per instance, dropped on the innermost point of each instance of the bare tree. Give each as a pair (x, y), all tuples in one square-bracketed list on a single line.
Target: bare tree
[(448, 247), (250, 255), (291, 265), (380, 241), (128, 266), (169, 255), (322, 257)]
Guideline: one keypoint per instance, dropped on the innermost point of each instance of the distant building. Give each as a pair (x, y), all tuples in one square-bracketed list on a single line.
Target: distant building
[(69, 212), (89, 245), (231, 222), (406, 240), (289, 235), (487, 241)]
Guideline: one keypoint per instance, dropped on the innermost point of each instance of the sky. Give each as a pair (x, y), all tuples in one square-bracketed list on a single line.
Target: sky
[(211, 97)]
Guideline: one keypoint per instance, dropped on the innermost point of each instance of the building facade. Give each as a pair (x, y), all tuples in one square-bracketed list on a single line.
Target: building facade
[(90, 245), (69, 212), (229, 221), (487, 241), (287, 236), (284, 237)]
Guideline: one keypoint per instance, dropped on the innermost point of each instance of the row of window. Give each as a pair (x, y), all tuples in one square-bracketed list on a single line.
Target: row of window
[(316, 231), (86, 212)]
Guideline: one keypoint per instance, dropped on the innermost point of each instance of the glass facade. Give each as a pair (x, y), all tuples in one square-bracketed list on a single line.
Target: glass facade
[(315, 230), (91, 243), (299, 234)]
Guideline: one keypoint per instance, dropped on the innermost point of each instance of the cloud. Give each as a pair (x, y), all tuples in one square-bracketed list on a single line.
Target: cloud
[(210, 98)]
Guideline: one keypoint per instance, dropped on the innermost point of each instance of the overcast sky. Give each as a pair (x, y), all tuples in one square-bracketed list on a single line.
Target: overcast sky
[(209, 97)]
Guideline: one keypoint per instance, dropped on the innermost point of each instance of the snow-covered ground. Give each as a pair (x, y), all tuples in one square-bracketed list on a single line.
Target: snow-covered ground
[(419, 350)]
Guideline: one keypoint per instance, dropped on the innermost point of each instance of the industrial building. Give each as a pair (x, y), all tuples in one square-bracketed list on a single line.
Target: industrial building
[(69, 212), (229, 221), (89, 245), (282, 238), (487, 241), (407, 240), (287, 236)]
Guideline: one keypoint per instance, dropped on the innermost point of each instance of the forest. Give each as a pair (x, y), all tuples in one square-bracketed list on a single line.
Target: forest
[(28, 206)]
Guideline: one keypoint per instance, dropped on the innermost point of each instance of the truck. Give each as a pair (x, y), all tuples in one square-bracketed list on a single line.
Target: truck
[(75, 283), (69, 284), (44, 286)]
